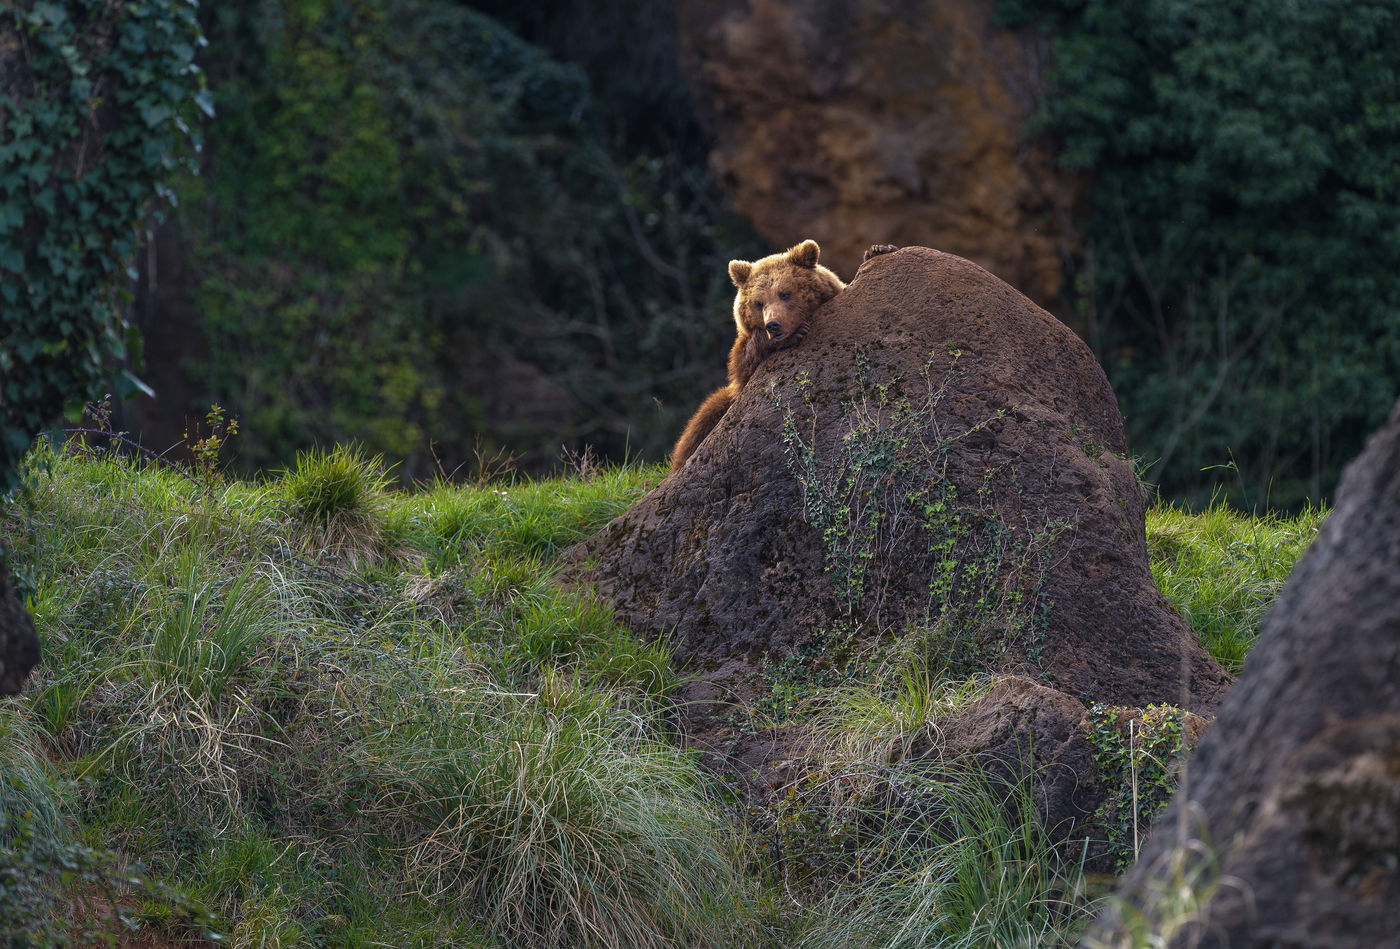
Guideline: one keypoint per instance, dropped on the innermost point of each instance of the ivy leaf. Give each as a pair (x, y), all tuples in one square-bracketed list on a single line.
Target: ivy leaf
[(11, 259), (11, 215), (154, 113), (51, 13)]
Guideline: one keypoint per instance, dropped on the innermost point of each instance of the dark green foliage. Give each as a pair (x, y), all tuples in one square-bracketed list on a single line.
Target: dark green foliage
[(414, 225), (1240, 284), (96, 106)]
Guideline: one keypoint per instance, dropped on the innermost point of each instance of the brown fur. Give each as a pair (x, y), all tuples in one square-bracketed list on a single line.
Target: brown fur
[(772, 311)]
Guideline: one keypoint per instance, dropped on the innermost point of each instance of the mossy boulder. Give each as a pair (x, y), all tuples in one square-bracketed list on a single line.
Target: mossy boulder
[(941, 464)]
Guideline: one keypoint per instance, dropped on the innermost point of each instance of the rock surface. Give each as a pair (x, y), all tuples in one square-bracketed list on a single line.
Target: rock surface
[(855, 122), (940, 459), (1021, 728), (1295, 791), (19, 644), (1042, 739)]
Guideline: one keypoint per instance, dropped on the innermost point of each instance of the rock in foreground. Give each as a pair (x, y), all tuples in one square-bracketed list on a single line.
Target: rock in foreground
[(1289, 830)]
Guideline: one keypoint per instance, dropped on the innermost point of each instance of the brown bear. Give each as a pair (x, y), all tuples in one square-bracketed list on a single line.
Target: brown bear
[(777, 296)]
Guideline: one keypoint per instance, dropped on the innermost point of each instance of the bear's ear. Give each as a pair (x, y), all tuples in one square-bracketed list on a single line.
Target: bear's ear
[(805, 254), (739, 271)]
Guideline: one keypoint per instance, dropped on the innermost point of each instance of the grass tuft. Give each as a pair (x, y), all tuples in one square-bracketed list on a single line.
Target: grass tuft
[(967, 865), (337, 500), (570, 825), (29, 794), (883, 724)]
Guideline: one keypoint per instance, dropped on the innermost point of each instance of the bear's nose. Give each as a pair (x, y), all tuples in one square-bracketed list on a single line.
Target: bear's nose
[(775, 329)]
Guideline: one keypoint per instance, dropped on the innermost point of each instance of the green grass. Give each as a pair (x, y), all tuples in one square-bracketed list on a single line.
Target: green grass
[(1223, 569), (338, 713), (968, 864)]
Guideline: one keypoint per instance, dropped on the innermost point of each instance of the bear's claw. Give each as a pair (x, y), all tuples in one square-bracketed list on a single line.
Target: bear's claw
[(877, 249)]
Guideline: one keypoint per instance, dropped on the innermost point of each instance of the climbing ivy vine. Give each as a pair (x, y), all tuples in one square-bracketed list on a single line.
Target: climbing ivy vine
[(881, 494), (98, 105)]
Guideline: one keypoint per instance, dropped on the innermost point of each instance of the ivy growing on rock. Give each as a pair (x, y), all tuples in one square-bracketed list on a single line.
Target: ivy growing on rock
[(886, 490), (1139, 755), (97, 106)]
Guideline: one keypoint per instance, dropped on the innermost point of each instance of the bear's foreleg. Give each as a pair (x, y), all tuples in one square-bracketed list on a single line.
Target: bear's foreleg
[(701, 424)]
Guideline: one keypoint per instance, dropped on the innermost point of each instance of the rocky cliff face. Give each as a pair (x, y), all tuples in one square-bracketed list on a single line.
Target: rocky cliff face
[(900, 121)]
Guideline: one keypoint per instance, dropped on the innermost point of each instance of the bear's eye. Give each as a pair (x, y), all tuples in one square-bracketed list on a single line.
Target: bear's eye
[(784, 295)]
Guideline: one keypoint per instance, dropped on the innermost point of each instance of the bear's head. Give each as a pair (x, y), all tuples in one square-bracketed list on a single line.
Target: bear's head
[(778, 294)]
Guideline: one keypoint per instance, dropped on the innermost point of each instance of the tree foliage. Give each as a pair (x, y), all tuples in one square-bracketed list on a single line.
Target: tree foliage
[(415, 230), (1240, 282), (96, 100)]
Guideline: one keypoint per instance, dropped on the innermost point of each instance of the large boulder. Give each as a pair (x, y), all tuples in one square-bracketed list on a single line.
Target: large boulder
[(940, 464), (852, 121), (1288, 831)]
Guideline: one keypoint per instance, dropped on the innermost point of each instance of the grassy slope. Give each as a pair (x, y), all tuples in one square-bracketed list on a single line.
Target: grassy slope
[(337, 714)]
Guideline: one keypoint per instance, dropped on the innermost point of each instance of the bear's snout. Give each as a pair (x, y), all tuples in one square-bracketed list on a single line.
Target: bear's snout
[(775, 330)]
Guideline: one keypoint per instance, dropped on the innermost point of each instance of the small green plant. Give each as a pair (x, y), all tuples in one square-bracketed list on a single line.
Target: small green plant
[(207, 631), (1139, 758), (206, 450), (793, 680), (59, 705), (805, 838)]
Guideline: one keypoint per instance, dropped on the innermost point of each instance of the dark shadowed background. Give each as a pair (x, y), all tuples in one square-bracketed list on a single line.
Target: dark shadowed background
[(452, 230)]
